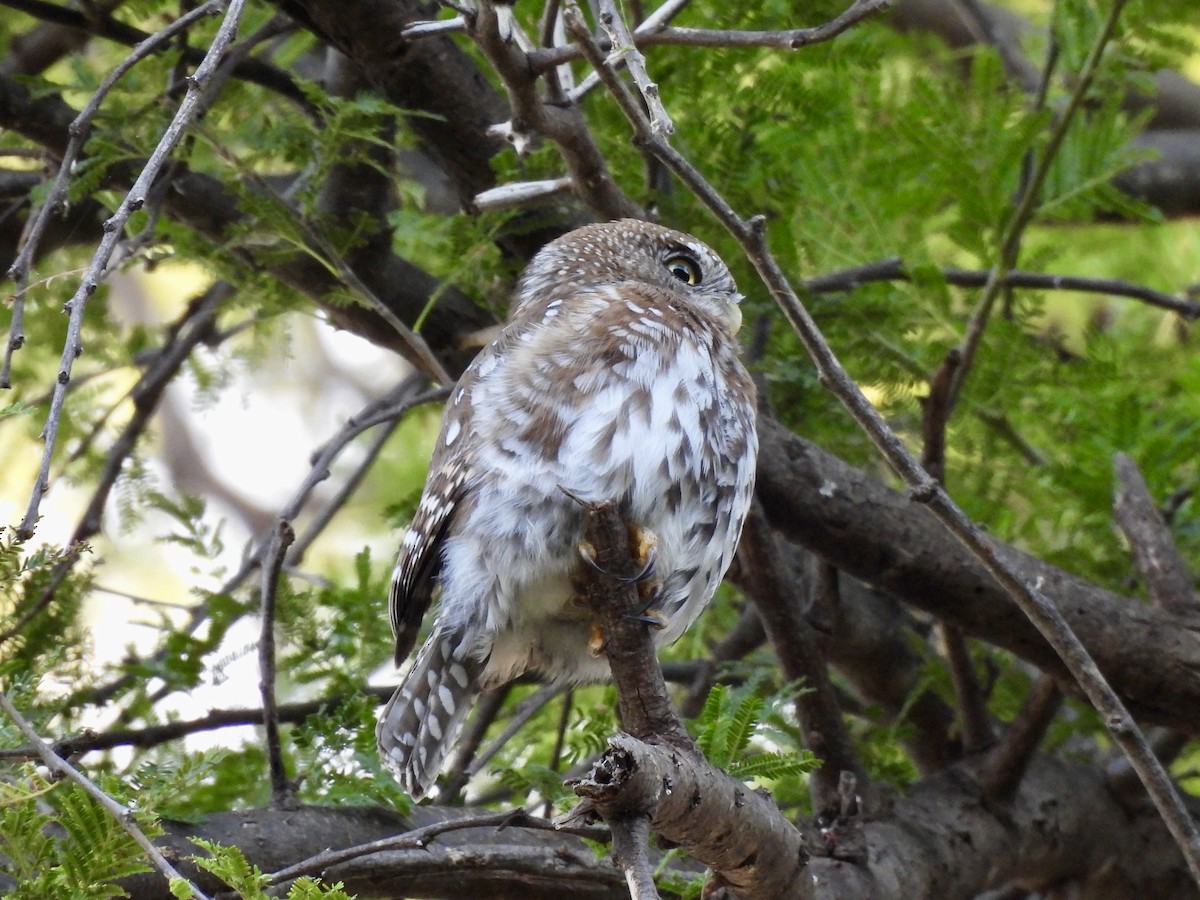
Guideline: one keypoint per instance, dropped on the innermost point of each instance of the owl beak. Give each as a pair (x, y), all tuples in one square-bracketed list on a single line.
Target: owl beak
[(733, 314)]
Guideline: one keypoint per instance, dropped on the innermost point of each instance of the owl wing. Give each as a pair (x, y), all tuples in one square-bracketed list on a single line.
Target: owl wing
[(420, 556), (419, 559)]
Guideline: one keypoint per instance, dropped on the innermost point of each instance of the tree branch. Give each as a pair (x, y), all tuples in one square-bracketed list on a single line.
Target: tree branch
[(564, 125), (893, 270), (720, 822), (283, 794), (821, 503), (1002, 768), (800, 657), (751, 235), (123, 815), (656, 771), (1167, 579), (134, 200)]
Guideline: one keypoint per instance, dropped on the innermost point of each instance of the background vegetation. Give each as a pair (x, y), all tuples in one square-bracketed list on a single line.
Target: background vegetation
[(339, 174)]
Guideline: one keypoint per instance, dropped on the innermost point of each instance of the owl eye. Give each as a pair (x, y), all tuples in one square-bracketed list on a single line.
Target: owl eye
[(684, 269)]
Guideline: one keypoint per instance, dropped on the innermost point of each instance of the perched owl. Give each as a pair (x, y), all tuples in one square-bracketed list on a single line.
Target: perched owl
[(616, 378)]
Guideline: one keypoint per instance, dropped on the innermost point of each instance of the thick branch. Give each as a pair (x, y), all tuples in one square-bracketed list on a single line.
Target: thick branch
[(940, 840), (888, 540), (716, 819), (738, 832)]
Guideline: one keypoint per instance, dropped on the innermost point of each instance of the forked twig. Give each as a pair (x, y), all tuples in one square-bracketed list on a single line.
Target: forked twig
[(113, 228), (78, 132)]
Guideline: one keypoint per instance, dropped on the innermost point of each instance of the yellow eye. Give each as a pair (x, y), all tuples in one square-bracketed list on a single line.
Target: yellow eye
[(684, 269)]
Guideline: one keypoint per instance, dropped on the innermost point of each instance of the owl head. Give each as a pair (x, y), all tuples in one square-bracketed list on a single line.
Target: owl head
[(630, 250)]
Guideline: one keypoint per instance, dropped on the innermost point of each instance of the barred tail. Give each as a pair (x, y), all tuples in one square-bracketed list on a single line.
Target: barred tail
[(421, 722)]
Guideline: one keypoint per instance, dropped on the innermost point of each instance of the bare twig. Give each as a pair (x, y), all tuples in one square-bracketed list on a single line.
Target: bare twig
[(792, 39), (420, 838), (433, 27), (624, 48), (1026, 208), (655, 30), (1167, 579), (90, 741), (519, 193), (1001, 770), (113, 228), (122, 814), (893, 270), (78, 133), (969, 696), (751, 235), (282, 793)]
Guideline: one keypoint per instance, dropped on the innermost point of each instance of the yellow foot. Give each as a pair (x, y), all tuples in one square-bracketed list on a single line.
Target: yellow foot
[(596, 639), (645, 550)]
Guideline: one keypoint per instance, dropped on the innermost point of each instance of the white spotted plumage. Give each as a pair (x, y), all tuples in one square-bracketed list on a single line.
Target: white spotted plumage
[(615, 380)]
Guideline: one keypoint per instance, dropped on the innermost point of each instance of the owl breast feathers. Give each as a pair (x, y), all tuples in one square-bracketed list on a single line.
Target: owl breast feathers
[(616, 378)]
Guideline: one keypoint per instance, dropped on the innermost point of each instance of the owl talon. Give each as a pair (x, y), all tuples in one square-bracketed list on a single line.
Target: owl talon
[(652, 617), (647, 553)]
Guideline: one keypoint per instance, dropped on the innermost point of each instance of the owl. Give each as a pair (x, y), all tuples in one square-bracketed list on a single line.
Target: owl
[(616, 377)]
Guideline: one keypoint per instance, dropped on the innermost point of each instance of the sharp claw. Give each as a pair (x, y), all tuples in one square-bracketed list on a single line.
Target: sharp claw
[(588, 554), (647, 553), (651, 617), (645, 548)]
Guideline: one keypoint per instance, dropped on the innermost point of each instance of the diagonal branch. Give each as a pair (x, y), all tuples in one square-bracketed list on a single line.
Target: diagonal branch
[(55, 201), (1167, 579), (751, 235), (122, 814), (113, 228)]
